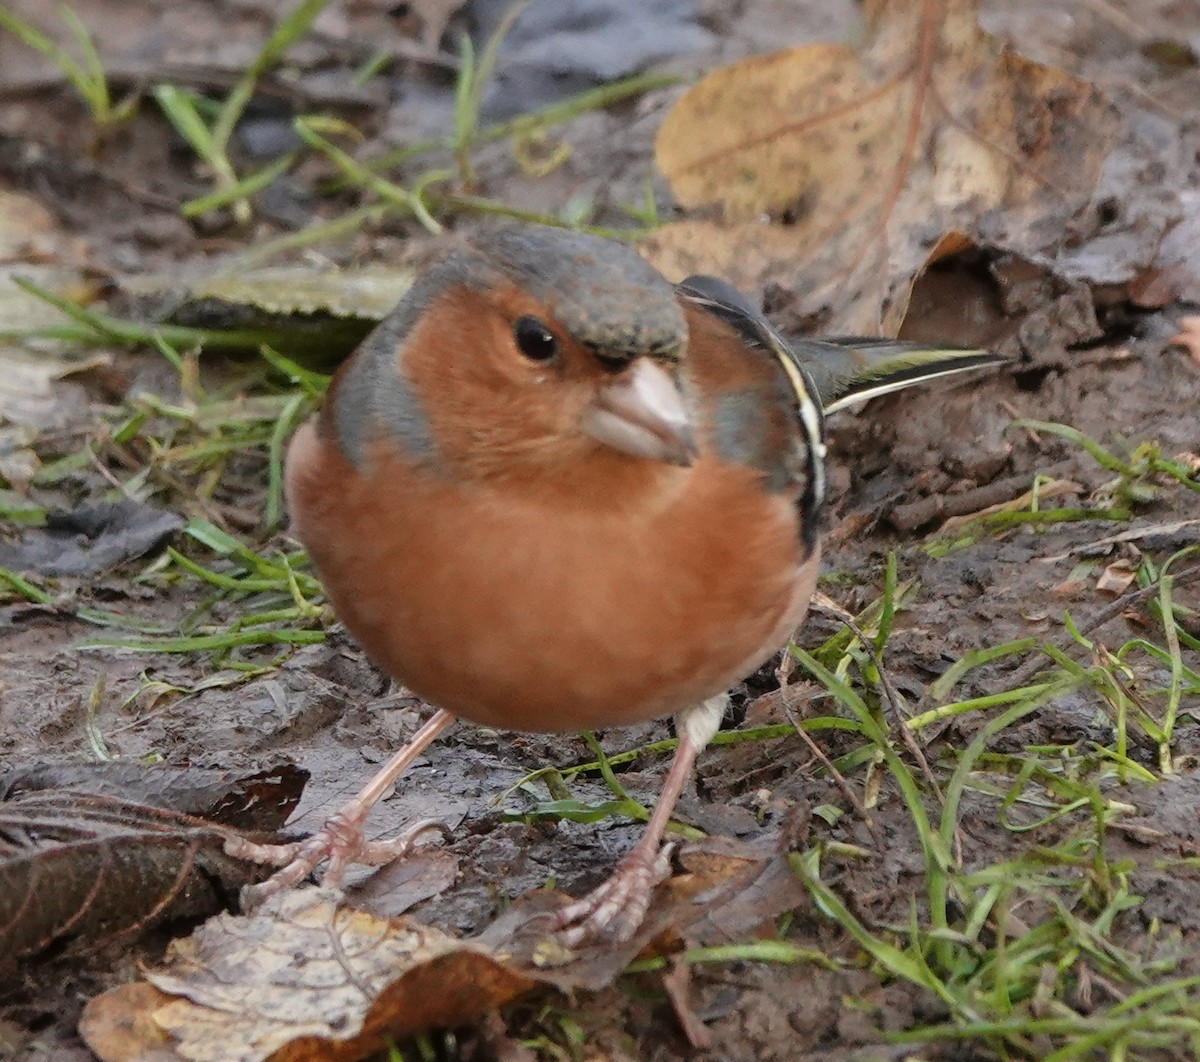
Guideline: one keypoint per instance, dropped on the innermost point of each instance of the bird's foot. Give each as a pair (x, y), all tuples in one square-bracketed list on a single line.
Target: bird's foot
[(340, 841), (617, 907)]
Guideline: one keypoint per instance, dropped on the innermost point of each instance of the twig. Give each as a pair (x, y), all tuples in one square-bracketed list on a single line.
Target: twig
[(782, 673), (893, 699), (1026, 671)]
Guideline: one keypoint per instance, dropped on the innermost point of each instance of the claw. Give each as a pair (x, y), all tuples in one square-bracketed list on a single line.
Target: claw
[(340, 841), (618, 906)]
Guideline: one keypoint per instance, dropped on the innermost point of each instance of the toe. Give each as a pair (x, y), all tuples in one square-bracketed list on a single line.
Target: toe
[(617, 908)]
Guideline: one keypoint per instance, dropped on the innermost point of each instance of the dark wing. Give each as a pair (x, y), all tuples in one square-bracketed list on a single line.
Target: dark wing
[(726, 303), (839, 369)]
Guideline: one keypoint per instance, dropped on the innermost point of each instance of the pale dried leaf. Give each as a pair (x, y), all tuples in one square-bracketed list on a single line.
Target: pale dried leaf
[(305, 977), (1115, 579), (27, 381), (368, 293), (837, 173), (36, 246), (26, 227)]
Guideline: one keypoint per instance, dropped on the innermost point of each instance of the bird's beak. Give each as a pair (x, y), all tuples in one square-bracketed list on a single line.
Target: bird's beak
[(641, 412)]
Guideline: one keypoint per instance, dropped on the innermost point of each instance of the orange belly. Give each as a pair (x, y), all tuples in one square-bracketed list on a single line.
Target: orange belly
[(519, 615)]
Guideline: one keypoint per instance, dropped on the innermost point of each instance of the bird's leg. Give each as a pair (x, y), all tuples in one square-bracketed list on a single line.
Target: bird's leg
[(340, 840), (619, 905)]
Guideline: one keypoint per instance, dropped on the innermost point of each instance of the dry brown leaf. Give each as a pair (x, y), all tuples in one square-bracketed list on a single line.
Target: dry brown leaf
[(393, 889), (116, 868), (120, 1025), (1179, 252), (261, 800), (726, 888), (35, 246), (1115, 579), (306, 977), (837, 173), (302, 978)]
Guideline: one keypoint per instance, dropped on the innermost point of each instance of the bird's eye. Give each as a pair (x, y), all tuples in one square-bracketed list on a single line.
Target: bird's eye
[(534, 339)]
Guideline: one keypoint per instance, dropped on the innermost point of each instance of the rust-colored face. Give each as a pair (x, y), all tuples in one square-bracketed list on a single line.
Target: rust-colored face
[(506, 385)]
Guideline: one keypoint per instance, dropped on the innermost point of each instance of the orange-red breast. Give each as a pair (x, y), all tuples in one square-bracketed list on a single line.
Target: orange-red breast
[(552, 491)]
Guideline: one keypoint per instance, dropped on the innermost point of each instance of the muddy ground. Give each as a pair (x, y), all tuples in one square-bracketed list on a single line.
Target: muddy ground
[(328, 709)]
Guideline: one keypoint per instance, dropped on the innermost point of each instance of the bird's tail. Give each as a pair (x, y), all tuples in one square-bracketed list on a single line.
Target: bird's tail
[(848, 369)]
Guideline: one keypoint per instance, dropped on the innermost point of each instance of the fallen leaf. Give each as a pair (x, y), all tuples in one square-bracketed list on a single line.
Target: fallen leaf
[(120, 1025), (1152, 289), (28, 230), (1167, 537), (36, 247), (393, 889), (307, 977), (302, 978), (81, 867), (29, 383), (91, 539), (838, 173), (1179, 251), (724, 889), (263, 800), (554, 50), (1115, 579)]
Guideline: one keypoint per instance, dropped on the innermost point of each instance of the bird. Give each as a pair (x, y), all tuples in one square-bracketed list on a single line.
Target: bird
[(553, 491)]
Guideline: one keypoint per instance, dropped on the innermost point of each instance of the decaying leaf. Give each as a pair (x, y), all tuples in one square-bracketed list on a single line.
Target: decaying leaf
[(1115, 578), (91, 538), (260, 801), (296, 310), (36, 247), (392, 890), (115, 867), (303, 978), (307, 977), (839, 174), (1179, 253), (28, 382)]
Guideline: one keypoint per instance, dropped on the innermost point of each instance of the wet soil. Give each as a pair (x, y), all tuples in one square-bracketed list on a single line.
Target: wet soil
[(328, 709)]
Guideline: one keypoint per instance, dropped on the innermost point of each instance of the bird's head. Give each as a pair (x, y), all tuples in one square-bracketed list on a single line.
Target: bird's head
[(534, 348)]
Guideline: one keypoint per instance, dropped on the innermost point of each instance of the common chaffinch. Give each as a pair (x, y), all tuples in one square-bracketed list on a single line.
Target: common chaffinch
[(552, 492)]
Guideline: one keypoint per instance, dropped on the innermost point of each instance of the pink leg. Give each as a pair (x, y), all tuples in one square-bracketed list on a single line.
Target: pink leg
[(619, 905), (340, 840)]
